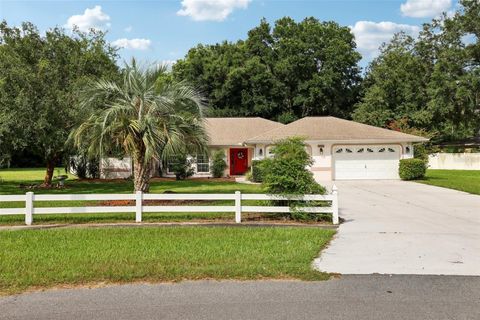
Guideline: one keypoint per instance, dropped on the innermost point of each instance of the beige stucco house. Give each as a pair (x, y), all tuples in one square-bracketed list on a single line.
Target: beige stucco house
[(340, 149)]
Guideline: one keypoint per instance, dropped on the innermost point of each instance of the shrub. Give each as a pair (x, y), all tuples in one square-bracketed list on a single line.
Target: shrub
[(258, 168), (287, 174), (218, 164), (85, 167), (181, 166), (411, 169), (287, 171)]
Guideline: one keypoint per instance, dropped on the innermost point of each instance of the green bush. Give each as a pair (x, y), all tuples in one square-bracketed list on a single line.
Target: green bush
[(218, 164), (287, 174), (257, 171), (412, 169), (182, 167)]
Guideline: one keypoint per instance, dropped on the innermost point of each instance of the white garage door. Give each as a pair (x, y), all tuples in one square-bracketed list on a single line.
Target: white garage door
[(366, 162)]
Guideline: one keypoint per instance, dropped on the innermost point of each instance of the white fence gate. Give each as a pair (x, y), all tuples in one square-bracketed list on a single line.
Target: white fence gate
[(29, 198)]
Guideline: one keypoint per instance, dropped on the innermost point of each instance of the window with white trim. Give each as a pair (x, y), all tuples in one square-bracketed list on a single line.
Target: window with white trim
[(203, 164)]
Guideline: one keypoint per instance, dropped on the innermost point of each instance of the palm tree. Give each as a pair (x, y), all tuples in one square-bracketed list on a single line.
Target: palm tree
[(145, 117)]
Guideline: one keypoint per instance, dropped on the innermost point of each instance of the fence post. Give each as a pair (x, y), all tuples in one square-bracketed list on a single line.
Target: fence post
[(29, 208), (238, 206), (335, 204), (138, 206)]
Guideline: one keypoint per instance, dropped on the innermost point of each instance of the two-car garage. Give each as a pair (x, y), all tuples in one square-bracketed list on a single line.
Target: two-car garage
[(355, 162)]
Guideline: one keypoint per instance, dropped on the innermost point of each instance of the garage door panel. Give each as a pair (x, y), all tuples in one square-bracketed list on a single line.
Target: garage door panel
[(382, 163)]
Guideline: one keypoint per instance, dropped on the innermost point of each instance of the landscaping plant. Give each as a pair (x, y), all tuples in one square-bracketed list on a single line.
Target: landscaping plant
[(287, 174), (218, 164), (182, 167), (257, 170), (147, 118), (412, 169)]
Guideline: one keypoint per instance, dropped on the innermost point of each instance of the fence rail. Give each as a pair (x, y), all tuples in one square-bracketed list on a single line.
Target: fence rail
[(30, 198)]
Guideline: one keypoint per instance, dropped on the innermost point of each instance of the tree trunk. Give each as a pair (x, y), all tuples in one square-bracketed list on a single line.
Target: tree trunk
[(47, 181), (141, 175)]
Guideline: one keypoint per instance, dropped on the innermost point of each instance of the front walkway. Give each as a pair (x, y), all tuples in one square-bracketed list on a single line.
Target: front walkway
[(396, 227)]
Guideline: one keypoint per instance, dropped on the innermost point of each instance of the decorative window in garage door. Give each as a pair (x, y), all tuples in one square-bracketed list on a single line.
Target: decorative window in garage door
[(369, 150), (381, 150), (391, 150), (339, 150), (361, 150), (348, 150)]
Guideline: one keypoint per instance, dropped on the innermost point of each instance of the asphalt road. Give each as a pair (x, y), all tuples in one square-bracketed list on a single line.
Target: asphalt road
[(350, 297)]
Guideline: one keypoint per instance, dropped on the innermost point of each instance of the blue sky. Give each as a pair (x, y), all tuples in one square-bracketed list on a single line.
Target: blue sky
[(164, 30)]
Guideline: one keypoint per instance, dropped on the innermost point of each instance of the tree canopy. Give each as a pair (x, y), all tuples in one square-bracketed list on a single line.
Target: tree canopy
[(145, 116), (433, 81), (282, 73), (41, 78)]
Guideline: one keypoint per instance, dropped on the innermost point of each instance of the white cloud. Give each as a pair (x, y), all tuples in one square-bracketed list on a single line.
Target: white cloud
[(128, 29), (90, 19), (370, 35), (424, 8), (213, 10), (133, 44)]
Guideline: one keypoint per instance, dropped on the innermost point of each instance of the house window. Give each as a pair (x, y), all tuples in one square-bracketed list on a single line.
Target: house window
[(203, 165), (339, 150)]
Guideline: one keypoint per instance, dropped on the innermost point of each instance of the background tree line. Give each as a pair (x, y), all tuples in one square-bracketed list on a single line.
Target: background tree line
[(283, 73), (426, 85), (431, 83)]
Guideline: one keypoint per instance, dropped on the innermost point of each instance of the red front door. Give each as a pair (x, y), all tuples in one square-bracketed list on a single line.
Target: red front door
[(238, 161)]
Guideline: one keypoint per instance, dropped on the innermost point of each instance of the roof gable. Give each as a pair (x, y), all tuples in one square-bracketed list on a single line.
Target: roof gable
[(235, 131), (333, 129)]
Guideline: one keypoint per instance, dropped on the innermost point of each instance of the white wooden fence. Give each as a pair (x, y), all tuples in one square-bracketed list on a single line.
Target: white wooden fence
[(29, 198)]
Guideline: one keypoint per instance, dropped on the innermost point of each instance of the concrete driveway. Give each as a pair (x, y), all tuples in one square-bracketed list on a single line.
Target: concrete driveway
[(397, 227)]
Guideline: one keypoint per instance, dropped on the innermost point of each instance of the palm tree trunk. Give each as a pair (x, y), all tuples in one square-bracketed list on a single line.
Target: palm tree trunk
[(141, 175)]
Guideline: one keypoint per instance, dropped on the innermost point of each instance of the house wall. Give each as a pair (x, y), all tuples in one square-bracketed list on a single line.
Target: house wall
[(212, 150), (113, 168), (454, 161), (321, 153)]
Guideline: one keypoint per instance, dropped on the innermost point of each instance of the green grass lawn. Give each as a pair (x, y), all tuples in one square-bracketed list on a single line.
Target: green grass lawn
[(463, 180), (32, 259), (11, 179)]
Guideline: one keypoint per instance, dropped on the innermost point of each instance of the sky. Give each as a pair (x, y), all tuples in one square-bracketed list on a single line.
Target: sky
[(164, 30)]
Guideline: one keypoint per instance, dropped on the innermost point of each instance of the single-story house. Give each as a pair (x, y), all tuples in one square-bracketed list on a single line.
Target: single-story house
[(340, 149)]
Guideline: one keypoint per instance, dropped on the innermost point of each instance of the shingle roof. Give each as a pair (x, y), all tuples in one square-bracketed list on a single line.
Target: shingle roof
[(333, 129), (235, 131)]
